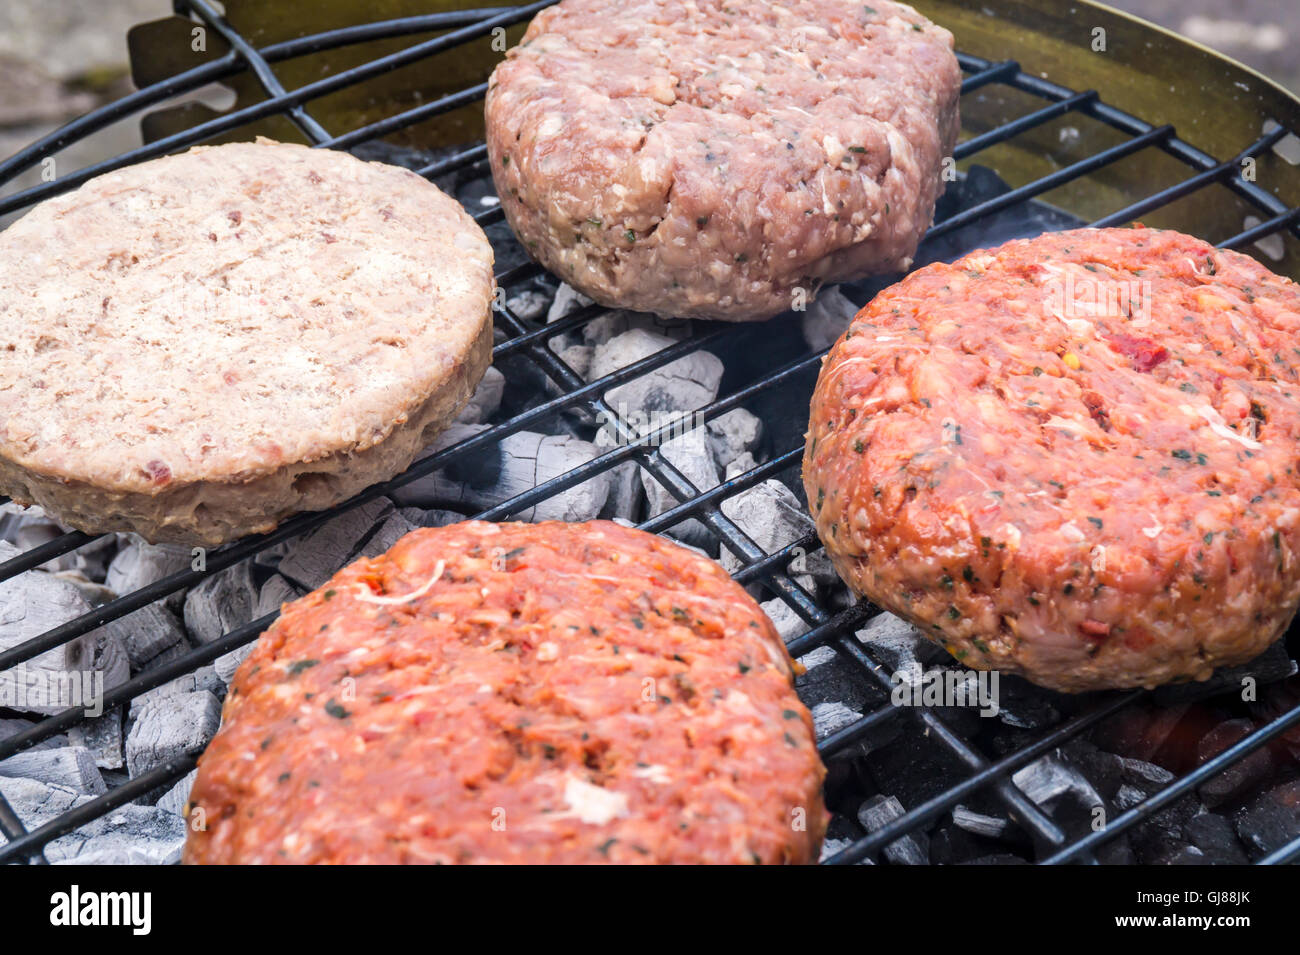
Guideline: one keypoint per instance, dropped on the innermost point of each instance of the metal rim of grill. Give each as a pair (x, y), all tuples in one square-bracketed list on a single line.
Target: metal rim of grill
[(528, 340)]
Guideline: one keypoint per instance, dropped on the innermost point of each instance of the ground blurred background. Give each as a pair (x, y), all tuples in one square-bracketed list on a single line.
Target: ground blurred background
[(59, 58)]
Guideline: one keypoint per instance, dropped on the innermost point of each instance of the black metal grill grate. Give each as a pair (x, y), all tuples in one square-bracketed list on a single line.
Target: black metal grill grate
[(528, 340)]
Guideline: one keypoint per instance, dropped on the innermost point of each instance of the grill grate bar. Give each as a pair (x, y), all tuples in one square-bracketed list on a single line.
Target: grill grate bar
[(1058, 178), (1185, 784), (261, 69), (929, 810)]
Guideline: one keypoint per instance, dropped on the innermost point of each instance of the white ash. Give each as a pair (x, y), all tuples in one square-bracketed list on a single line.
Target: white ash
[(788, 623), (689, 454), (615, 322), (897, 644), (96, 594), (71, 766), (102, 737), (31, 604), (826, 318), (733, 434), (740, 464), (317, 555), (139, 563), (527, 460), (485, 401), (396, 526), (686, 384), (174, 799), (978, 823), (567, 299), (772, 517), (12, 727), (147, 632), (142, 833), (626, 492), (193, 681), (1047, 779), (219, 603), (170, 726), (829, 717), (528, 304), (911, 849)]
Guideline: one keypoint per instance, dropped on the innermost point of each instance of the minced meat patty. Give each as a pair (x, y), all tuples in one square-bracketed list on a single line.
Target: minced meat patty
[(548, 693), (704, 158), (1072, 457)]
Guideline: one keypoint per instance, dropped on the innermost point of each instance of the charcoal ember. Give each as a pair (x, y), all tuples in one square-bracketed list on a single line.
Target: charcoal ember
[(1272, 665), (529, 304), (199, 680), (686, 384), (485, 401), (12, 727), (626, 492), (826, 318), (431, 517), (1216, 838), (612, 323), (174, 799), (1105, 771), (1164, 735), (841, 832), (914, 767), (29, 527), (220, 603), (120, 855), (274, 594), (897, 644), (689, 454), (1139, 780), (396, 526), (732, 434), (830, 678), (1271, 819), (1274, 701), (527, 460), (566, 300), (146, 832), (742, 463), (139, 563), (311, 560), (978, 823), (576, 355), (69, 675), (96, 594), (102, 737), (1049, 780), (147, 632), (997, 858), (833, 847), (830, 717), (170, 726), (1242, 777), (952, 845), (788, 623), (1022, 705), (1073, 802), (910, 849), (70, 766), (772, 517)]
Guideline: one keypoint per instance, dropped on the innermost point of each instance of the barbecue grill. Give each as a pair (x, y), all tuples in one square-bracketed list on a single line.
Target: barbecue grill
[(1057, 133)]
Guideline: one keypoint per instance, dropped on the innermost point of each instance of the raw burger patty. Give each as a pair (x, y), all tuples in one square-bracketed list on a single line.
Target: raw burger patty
[(522, 693), (196, 347), (708, 158), (1072, 457)]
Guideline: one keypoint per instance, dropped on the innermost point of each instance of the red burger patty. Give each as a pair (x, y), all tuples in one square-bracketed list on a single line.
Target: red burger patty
[(1072, 457), (544, 693)]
